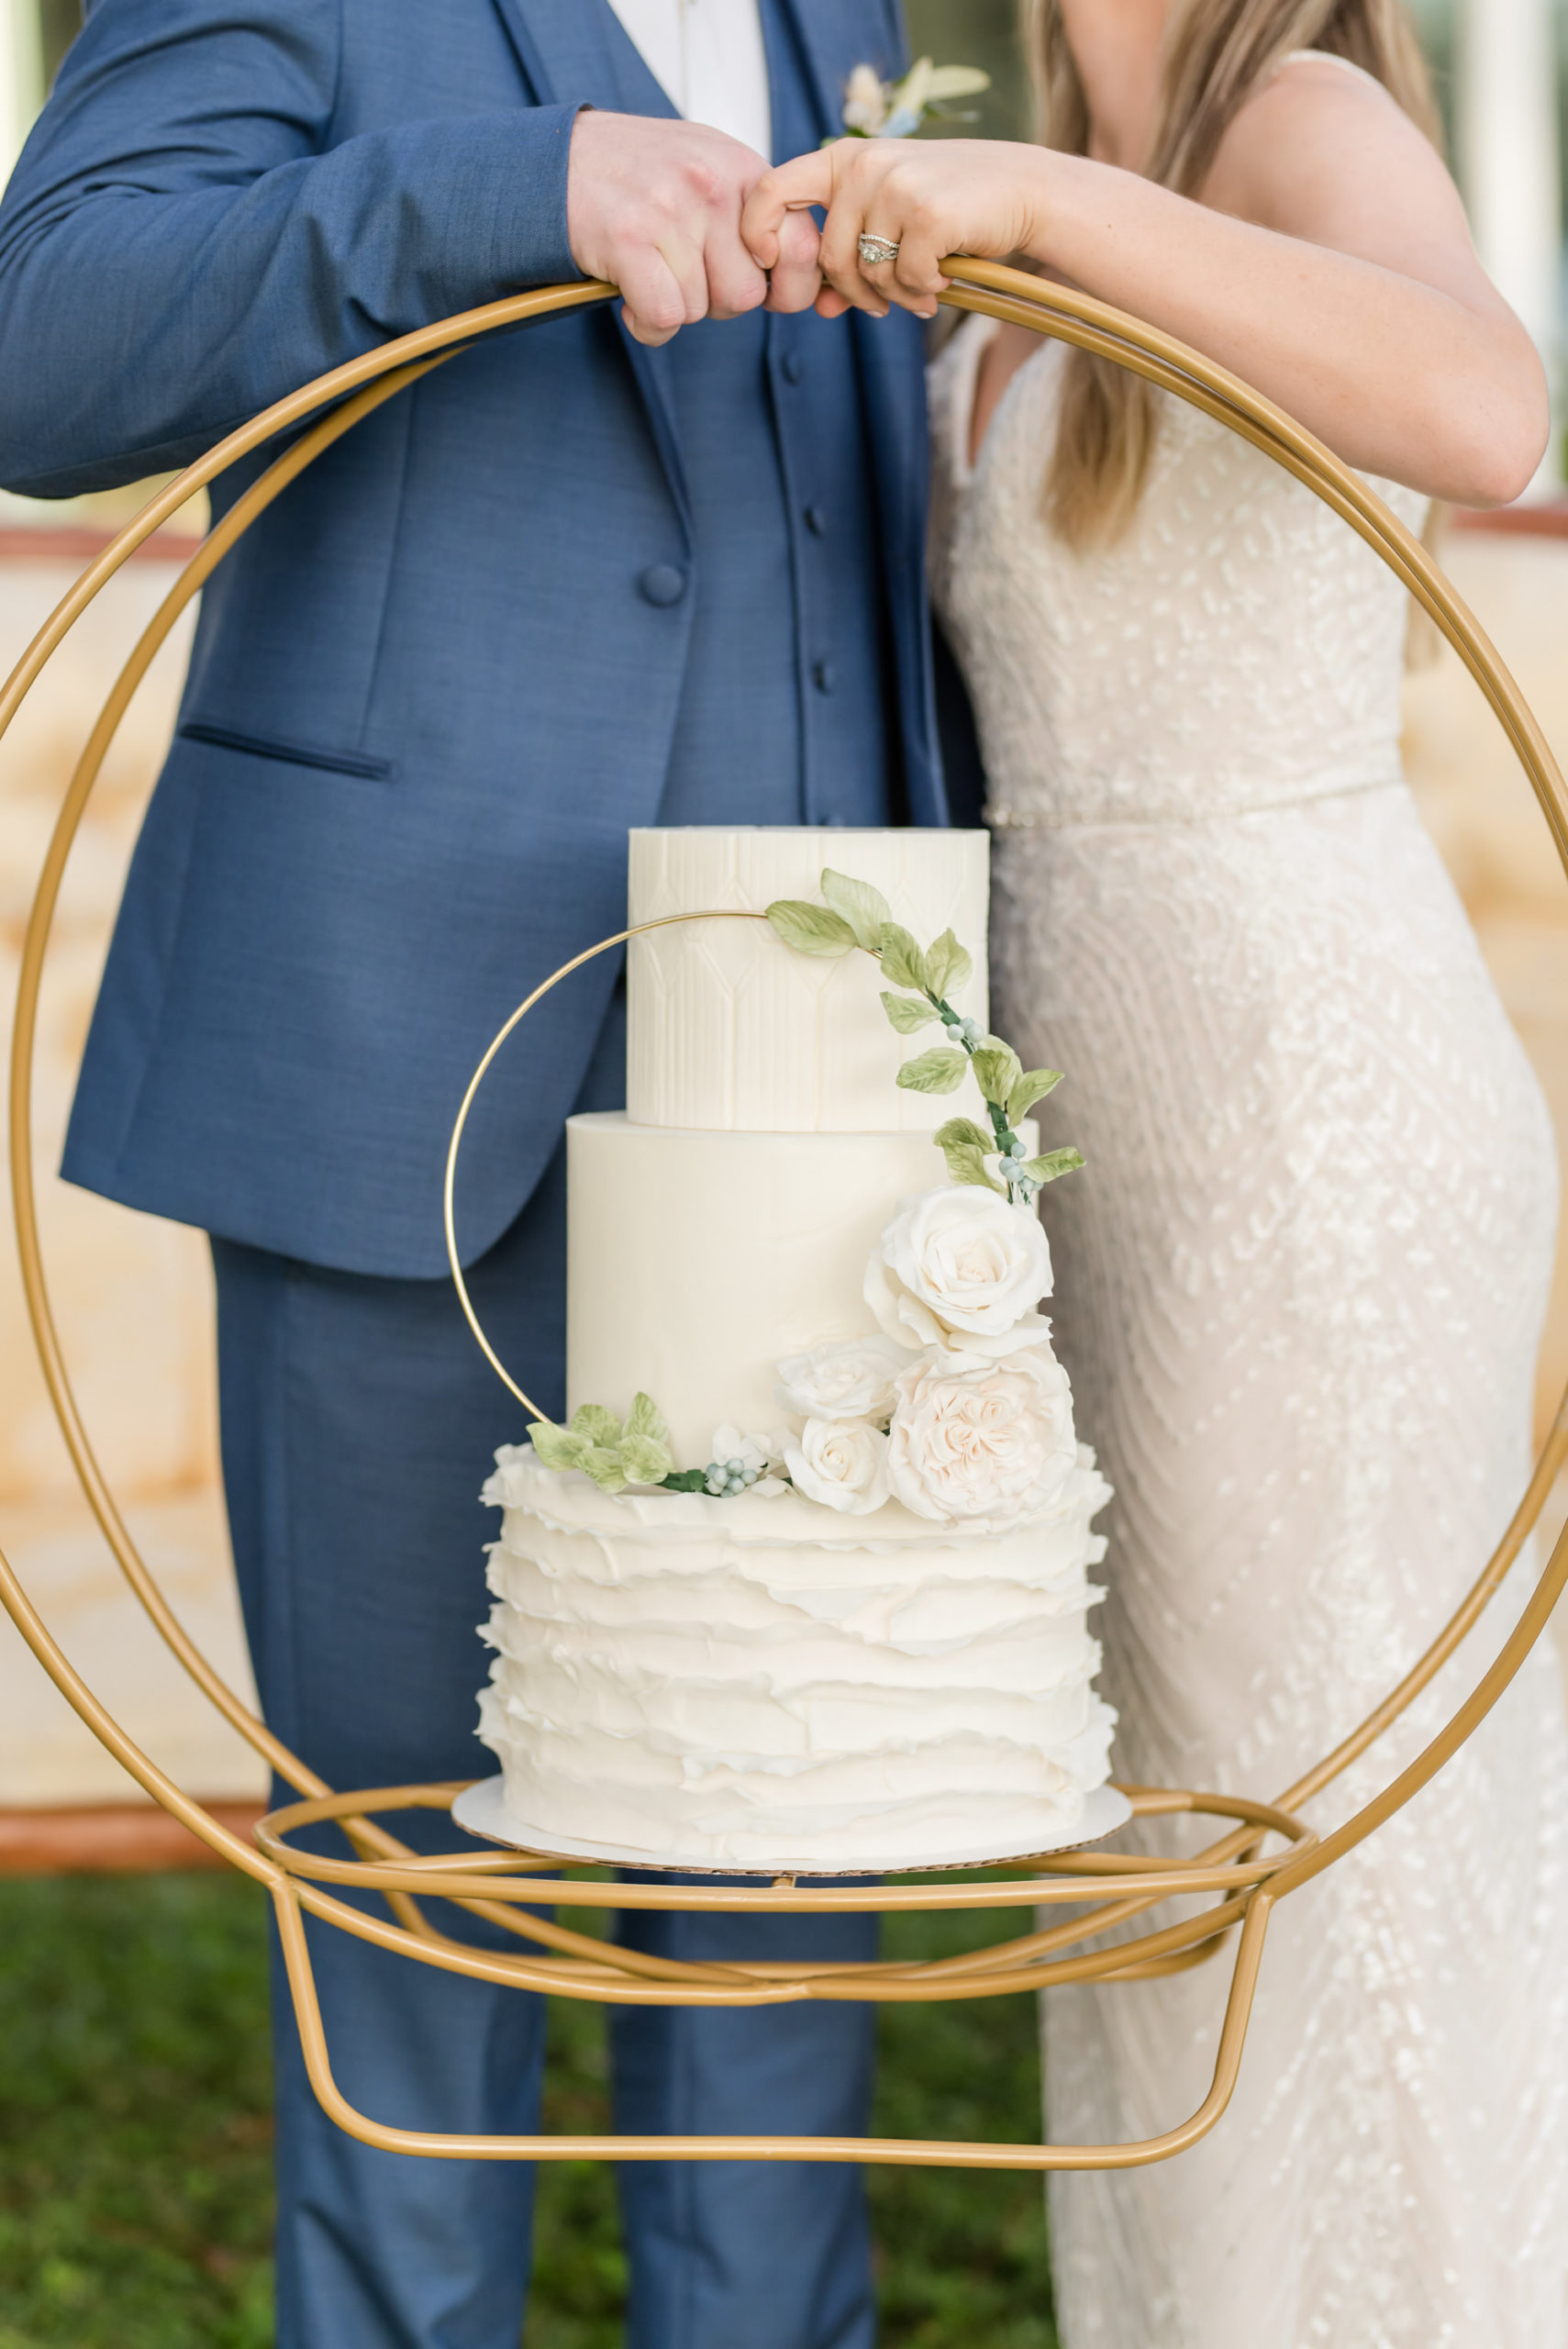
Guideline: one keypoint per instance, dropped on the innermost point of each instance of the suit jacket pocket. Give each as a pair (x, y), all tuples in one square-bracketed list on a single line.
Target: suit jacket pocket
[(295, 754)]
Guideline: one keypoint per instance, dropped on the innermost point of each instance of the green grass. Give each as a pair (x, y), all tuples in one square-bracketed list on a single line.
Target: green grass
[(135, 2139)]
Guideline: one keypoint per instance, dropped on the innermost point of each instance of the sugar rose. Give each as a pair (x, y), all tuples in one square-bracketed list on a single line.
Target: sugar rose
[(991, 1444), (841, 1463), (962, 1268), (851, 1380)]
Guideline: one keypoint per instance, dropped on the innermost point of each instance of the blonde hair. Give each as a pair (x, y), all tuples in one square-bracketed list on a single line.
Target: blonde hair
[(1217, 52)]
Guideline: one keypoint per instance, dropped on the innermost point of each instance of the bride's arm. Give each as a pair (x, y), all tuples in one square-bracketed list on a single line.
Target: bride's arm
[(1328, 264)]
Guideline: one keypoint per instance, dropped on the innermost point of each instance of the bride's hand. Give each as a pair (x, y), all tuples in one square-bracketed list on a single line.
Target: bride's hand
[(930, 198)]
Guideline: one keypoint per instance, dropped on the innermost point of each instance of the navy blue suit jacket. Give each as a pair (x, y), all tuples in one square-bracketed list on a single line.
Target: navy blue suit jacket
[(428, 698)]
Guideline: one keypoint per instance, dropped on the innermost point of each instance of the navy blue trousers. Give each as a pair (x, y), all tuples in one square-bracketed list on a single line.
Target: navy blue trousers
[(358, 1418)]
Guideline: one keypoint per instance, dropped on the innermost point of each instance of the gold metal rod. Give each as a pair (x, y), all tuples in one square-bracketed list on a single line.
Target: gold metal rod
[(1119, 1885), (895, 2151)]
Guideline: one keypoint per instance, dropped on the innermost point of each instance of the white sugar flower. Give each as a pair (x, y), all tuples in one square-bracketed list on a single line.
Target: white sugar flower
[(988, 1442), (962, 1268), (851, 1380), (841, 1463)]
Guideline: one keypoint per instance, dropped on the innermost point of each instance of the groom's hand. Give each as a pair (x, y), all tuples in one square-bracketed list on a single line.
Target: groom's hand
[(654, 207)]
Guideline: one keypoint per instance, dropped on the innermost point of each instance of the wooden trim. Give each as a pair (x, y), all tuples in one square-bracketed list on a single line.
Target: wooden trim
[(73, 544), (1548, 521), (117, 1838)]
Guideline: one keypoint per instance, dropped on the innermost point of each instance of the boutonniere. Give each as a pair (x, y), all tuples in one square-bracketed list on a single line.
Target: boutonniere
[(877, 109)]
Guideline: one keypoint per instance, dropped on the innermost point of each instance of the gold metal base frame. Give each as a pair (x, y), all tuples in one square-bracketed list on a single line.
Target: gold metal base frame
[(1263, 1851)]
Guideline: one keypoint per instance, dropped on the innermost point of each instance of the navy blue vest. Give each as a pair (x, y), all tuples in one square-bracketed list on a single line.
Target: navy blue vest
[(769, 414)]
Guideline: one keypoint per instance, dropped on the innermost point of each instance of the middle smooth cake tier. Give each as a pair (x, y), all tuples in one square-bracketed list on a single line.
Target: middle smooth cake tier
[(697, 1261)]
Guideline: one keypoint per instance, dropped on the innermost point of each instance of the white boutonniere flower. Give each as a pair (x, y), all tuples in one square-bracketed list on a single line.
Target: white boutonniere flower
[(877, 109)]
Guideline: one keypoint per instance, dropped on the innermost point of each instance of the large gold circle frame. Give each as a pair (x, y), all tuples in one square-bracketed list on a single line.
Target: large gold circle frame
[(1266, 1852)]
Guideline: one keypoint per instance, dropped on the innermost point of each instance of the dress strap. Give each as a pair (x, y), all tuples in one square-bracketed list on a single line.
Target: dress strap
[(1328, 57)]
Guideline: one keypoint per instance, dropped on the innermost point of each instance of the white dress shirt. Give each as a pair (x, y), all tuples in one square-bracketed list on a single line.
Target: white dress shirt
[(709, 59)]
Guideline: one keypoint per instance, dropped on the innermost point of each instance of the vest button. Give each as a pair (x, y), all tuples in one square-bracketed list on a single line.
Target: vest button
[(824, 676), (816, 521), (662, 582), (791, 367)]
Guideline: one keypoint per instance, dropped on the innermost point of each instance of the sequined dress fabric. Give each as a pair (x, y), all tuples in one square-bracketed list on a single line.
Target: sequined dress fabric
[(1300, 1288)]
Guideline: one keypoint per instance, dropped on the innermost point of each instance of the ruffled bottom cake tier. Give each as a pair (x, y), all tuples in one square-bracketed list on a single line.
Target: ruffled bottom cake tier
[(760, 1683)]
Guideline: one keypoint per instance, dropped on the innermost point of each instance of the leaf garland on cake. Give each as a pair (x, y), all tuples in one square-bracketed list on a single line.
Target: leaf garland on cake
[(854, 914), (938, 1070), (811, 929), (614, 1455), (637, 1451), (908, 1014), (865, 910)]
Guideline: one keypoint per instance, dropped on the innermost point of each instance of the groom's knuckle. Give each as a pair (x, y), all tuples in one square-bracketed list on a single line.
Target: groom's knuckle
[(701, 184)]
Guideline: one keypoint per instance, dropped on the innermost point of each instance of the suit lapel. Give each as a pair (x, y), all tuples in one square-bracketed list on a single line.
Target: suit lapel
[(565, 50), (834, 39), (572, 52)]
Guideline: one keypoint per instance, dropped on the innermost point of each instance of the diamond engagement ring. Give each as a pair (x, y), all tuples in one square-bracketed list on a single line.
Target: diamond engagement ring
[(874, 250)]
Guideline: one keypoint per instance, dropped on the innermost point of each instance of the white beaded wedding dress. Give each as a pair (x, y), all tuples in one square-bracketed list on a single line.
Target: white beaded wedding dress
[(1300, 1287)]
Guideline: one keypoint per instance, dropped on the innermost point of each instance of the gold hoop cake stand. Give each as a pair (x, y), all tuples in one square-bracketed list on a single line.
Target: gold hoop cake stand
[(1261, 1851)]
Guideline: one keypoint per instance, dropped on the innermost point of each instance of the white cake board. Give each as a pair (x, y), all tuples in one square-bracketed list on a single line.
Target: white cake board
[(481, 1810)]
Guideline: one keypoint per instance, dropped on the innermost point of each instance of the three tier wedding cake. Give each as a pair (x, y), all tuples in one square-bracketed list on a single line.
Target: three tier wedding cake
[(804, 1584)]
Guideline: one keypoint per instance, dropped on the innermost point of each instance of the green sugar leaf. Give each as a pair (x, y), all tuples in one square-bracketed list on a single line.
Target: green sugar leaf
[(964, 1134), (909, 1012), (997, 1068), (559, 1448), (606, 1470), (811, 929), (1032, 1086), (938, 1070), (966, 1163), (865, 910), (646, 1460), (949, 965), (646, 1419), (597, 1425), (1055, 1162), (686, 1480), (901, 960)]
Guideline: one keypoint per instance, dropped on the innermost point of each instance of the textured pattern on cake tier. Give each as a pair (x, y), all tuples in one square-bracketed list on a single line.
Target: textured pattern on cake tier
[(757, 1683), (730, 1028)]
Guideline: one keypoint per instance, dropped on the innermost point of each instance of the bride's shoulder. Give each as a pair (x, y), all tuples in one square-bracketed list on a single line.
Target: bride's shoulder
[(1318, 123)]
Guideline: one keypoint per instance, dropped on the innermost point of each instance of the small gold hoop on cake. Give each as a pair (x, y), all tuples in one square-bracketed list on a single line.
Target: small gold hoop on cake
[(448, 1191)]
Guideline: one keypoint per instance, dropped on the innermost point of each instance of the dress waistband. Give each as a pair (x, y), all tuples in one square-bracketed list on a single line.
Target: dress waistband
[(1003, 818)]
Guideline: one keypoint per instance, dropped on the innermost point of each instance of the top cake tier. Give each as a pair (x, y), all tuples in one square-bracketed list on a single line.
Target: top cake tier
[(730, 1029)]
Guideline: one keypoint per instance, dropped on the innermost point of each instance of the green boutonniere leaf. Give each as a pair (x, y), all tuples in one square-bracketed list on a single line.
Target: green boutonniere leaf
[(997, 1068), (901, 960), (909, 1012), (865, 910), (1055, 1162), (559, 1448), (596, 1425), (938, 1070), (1032, 1086), (949, 965), (955, 82), (811, 929), (646, 1460), (646, 1419)]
